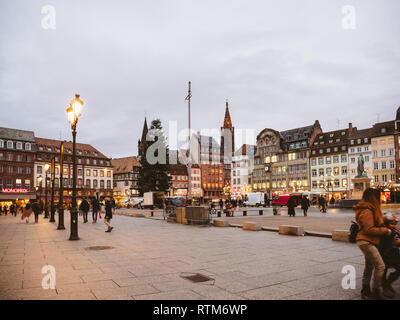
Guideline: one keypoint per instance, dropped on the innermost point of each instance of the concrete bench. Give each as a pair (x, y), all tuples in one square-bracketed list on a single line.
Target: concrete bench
[(340, 235), (253, 226), (291, 230), (137, 215), (220, 223)]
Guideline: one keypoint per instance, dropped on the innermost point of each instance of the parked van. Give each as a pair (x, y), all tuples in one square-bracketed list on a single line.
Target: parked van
[(280, 200), (255, 199)]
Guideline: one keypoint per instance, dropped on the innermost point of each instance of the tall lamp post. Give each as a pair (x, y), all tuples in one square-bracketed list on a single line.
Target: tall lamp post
[(73, 112), (61, 191), (52, 178), (46, 207)]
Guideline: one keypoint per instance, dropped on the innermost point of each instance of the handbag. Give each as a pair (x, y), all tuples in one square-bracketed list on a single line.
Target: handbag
[(99, 214)]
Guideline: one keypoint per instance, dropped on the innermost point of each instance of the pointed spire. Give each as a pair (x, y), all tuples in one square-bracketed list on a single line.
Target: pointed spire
[(145, 130), (227, 119)]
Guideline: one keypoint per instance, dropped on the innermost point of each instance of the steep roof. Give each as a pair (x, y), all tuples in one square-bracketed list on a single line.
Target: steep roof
[(245, 149), (227, 118), (16, 134), (124, 165), (383, 128), (53, 145)]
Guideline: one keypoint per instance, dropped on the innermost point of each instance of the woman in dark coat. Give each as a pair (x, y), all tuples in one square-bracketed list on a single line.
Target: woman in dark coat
[(291, 205), (305, 204), (108, 216)]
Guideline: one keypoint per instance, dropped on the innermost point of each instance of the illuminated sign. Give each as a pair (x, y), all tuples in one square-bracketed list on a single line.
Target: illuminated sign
[(14, 190)]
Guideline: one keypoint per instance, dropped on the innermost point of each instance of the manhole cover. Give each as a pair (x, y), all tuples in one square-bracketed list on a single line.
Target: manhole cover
[(196, 277), (99, 248)]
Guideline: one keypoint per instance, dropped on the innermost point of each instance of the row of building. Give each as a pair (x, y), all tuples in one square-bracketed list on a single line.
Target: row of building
[(304, 159)]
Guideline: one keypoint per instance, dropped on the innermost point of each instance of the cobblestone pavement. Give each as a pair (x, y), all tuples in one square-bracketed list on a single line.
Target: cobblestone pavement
[(149, 258)]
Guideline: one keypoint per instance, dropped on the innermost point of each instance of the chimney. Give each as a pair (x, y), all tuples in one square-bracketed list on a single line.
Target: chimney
[(350, 127)]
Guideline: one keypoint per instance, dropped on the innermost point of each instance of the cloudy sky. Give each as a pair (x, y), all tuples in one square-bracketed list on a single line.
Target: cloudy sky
[(282, 64)]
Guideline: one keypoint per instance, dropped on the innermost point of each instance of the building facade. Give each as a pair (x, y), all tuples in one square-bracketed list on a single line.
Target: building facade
[(384, 157), (179, 180), (197, 191), (17, 156), (94, 170), (329, 163), (281, 161), (125, 178), (359, 144), (242, 169)]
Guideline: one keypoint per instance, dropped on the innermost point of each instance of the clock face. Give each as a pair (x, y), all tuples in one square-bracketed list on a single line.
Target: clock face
[(266, 168)]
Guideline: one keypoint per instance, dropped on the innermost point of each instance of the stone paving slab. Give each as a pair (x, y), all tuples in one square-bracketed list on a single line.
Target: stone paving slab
[(149, 257)]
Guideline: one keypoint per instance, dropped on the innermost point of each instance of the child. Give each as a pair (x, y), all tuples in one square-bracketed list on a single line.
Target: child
[(390, 252)]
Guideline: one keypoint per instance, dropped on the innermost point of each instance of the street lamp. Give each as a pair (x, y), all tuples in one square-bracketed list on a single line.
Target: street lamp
[(52, 178), (61, 191), (73, 112), (46, 208)]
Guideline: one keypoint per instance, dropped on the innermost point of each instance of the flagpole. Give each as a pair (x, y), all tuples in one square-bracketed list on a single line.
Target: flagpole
[(190, 161)]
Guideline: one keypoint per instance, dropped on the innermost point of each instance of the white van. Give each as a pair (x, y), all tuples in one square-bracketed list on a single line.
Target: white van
[(255, 199)]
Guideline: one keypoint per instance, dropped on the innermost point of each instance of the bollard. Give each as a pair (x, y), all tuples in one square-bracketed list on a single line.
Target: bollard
[(219, 214), (152, 214), (260, 212), (244, 213)]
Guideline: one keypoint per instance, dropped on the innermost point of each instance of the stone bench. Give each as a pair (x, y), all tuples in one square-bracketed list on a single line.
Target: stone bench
[(340, 235), (253, 226), (137, 215), (220, 223), (291, 230)]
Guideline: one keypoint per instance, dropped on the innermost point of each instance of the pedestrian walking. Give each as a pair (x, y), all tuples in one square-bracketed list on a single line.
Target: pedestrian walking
[(84, 208), (12, 209), (95, 209), (5, 209), (36, 208), (27, 212), (113, 205), (369, 217), (1, 209), (305, 204), (291, 205), (221, 204), (108, 216)]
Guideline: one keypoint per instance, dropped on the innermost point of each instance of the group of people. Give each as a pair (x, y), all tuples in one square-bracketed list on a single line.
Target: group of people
[(109, 206), (378, 239), (36, 207)]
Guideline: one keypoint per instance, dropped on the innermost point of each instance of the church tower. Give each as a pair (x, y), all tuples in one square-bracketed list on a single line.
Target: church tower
[(227, 146), (141, 142), (227, 135)]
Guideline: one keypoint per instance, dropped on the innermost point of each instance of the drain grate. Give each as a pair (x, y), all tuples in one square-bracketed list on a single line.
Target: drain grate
[(96, 248), (196, 277)]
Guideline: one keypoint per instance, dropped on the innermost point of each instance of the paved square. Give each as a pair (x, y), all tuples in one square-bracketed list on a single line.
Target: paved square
[(148, 258)]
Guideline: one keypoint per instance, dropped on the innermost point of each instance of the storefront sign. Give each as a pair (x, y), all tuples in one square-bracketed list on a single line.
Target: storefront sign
[(10, 190)]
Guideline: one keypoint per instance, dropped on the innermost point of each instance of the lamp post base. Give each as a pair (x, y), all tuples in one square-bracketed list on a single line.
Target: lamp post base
[(46, 213), (52, 213), (74, 225), (61, 220)]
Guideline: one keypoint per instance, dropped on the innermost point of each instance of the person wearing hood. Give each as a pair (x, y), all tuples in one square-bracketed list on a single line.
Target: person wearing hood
[(369, 217)]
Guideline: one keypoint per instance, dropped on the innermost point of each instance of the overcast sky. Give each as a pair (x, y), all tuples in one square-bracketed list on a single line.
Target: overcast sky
[(281, 64)]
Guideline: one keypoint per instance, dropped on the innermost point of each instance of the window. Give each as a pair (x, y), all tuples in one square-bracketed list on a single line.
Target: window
[(384, 178), (19, 145), (392, 177), (321, 172), (101, 173), (352, 150), (19, 157), (391, 165), (313, 162), (376, 166), (391, 152), (314, 172), (336, 171), (351, 141), (79, 172), (337, 183), (94, 173), (383, 153), (344, 158), (366, 158), (320, 161), (1, 143), (328, 150), (9, 157), (344, 183), (328, 160), (335, 159), (375, 155), (344, 170), (95, 184), (108, 184), (383, 165), (9, 144), (18, 183), (19, 170), (27, 183), (335, 149), (88, 183), (1, 156), (39, 169), (87, 172), (376, 178)]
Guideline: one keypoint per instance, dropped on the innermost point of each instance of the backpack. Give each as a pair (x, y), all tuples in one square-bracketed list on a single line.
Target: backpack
[(354, 230)]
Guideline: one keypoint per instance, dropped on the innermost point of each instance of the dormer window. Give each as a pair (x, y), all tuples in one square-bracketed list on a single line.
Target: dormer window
[(320, 137), (19, 145), (1, 144), (337, 140), (330, 141), (28, 146), (9, 144), (343, 133), (331, 135), (48, 148), (289, 138), (41, 148), (315, 143), (383, 130), (351, 141)]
